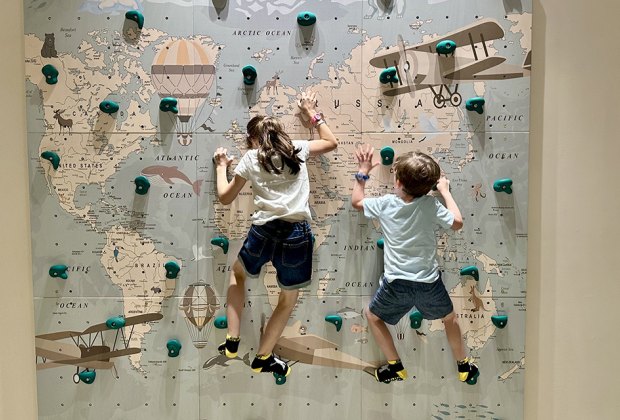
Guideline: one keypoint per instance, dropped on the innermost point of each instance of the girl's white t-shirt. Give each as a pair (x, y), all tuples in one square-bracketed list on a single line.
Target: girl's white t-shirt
[(284, 196)]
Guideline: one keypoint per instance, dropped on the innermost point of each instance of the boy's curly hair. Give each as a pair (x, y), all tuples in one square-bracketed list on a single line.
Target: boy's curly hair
[(417, 172)]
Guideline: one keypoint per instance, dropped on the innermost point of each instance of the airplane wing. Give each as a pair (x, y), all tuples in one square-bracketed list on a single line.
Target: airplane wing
[(501, 72), (59, 335), (98, 357), (482, 31), (96, 364), (53, 350), (132, 320), (469, 70)]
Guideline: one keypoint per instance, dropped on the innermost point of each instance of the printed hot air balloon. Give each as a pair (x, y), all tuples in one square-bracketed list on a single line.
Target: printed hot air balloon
[(199, 305), (183, 70)]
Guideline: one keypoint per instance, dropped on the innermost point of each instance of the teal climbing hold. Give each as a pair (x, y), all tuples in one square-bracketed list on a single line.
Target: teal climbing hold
[(87, 376), (503, 185), (59, 270), (280, 379), (334, 319), (249, 75), (52, 157), (387, 155), (221, 322), (445, 47), (115, 322), (471, 270), (50, 73), (142, 185), (389, 75), (474, 379), (169, 105), (172, 269), (415, 318), (174, 347), (109, 107), (306, 19), (136, 16), (222, 242), (380, 243), (499, 321), (475, 104)]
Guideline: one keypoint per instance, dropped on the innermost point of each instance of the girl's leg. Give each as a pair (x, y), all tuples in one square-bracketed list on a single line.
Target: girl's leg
[(281, 314), (235, 299)]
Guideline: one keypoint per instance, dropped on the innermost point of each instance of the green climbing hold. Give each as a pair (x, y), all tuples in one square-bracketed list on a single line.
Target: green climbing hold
[(474, 379), (115, 322), (172, 269), (174, 347), (387, 155), (109, 107), (142, 185), (59, 270), (87, 376), (50, 73), (475, 104), (306, 19), (136, 16), (334, 319), (221, 322), (169, 105), (388, 75), (416, 319), (52, 157), (380, 243), (499, 321), (222, 242), (471, 270), (249, 75), (503, 185), (445, 47), (280, 379)]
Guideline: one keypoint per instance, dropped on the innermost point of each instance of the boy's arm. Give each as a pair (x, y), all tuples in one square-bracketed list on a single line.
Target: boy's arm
[(365, 165), (226, 191), (443, 186)]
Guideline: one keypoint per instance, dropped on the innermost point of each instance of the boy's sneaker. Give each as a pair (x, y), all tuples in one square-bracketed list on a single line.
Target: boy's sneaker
[(468, 371), (392, 371), (270, 363), (229, 347)]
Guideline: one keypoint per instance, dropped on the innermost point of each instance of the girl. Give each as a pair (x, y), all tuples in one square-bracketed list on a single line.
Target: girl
[(276, 167)]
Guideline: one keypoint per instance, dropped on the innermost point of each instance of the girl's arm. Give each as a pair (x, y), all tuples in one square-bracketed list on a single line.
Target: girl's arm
[(328, 141), (226, 191)]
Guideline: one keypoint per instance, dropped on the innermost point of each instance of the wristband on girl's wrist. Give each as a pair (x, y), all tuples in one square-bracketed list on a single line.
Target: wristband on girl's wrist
[(362, 177), (316, 119)]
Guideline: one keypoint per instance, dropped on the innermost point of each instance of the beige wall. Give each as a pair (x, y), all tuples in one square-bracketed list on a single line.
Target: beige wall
[(573, 363)]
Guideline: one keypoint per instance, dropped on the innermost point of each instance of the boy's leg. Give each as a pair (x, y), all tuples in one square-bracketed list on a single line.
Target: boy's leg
[(382, 335), (234, 307), (468, 371)]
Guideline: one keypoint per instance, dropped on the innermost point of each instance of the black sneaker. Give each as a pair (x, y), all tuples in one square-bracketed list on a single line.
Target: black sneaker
[(468, 371), (271, 364), (391, 372), (229, 347)]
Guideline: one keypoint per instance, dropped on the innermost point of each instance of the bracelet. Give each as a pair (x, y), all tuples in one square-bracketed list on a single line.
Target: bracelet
[(362, 177), (319, 123)]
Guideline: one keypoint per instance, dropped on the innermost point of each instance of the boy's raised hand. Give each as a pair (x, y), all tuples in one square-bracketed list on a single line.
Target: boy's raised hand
[(443, 184), (364, 158), (220, 157)]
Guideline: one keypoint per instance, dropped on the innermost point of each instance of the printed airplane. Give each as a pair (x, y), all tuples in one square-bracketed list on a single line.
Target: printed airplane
[(421, 66), (89, 350)]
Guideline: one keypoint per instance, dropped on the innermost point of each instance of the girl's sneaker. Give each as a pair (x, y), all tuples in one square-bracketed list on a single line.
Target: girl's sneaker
[(468, 371), (270, 363), (392, 371), (229, 347)]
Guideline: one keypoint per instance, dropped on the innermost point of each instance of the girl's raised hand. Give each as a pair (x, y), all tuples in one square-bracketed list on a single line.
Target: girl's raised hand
[(220, 157), (307, 103)]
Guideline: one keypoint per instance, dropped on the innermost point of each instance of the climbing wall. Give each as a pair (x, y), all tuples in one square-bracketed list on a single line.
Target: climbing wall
[(108, 307)]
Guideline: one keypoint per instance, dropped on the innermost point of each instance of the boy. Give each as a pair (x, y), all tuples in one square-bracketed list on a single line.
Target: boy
[(411, 274)]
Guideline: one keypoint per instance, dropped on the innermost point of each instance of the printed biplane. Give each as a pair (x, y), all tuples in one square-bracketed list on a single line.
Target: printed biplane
[(422, 67), (88, 350)]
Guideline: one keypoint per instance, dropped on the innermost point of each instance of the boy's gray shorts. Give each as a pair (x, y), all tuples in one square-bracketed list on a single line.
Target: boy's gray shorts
[(394, 300)]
